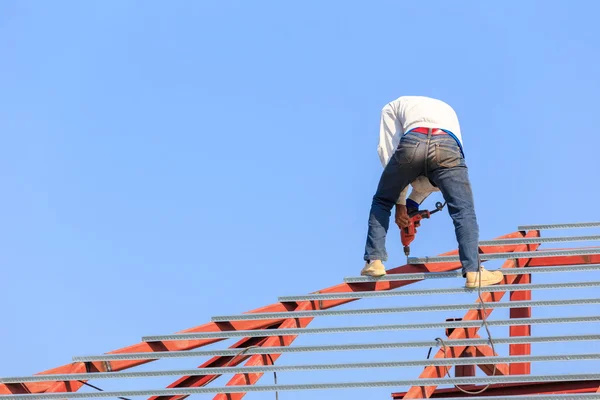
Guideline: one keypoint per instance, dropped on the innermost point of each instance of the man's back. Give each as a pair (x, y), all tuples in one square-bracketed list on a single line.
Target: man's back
[(426, 112)]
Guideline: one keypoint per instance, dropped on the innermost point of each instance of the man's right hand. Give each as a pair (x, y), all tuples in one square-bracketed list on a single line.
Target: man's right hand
[(402, 219)]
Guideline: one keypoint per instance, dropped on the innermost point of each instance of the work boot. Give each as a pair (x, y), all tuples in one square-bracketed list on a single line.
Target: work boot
[(374, 268), (487, 278)]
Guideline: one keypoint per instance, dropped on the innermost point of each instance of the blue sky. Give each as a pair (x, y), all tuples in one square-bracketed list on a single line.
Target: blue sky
[(164, 164)]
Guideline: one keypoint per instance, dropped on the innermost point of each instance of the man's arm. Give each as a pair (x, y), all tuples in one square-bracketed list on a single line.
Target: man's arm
[(420, 191), (390, 132), (416, 198), (422, 188)]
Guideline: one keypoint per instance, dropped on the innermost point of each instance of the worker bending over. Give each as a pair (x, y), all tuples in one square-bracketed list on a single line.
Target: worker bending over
[(425, 136)]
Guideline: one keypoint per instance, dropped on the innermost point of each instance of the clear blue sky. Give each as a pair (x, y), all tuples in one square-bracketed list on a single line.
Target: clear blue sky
[(165, 163)]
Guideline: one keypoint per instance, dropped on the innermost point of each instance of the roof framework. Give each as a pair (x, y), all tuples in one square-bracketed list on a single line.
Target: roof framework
[(263, 335)]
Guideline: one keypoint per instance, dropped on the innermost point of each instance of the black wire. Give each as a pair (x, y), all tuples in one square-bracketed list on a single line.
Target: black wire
[(484, 324), (100, 390), (274, 377), (228, 364)]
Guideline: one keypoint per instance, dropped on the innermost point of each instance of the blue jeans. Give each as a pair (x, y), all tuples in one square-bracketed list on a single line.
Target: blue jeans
[(440, 158)]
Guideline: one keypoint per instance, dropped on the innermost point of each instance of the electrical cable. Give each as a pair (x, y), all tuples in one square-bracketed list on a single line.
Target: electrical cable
[(491, 340), (212, 379)]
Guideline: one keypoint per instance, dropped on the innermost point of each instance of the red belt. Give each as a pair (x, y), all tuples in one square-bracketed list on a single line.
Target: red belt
[(425, 131)]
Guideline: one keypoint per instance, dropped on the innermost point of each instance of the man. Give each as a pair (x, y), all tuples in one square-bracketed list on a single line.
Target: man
[(429, 150), (390, 132)]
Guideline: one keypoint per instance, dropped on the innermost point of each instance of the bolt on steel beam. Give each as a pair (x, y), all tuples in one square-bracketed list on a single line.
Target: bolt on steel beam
[(369, 328), (336, 347), (502, 256), (310, 386)]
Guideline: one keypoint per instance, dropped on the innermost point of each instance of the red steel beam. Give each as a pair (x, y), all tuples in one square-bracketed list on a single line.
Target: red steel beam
[(419, 392), (147, 347), (263, 359), (520, 330), (258, 359), (517, 389), (488, 369), (465, 370)]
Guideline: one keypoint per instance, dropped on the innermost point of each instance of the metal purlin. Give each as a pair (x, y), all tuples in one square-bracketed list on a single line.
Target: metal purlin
[(370, 328), (337, 347), (310, 386), (305, 367)]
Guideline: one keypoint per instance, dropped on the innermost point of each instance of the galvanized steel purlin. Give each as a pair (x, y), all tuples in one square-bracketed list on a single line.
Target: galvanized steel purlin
[(188, 345), (458, 274), (427, 292), (306, 367), (393, 310), (337, 347), (310, 386), (502, 256), (558, 239), (369, 328), (573, 225)]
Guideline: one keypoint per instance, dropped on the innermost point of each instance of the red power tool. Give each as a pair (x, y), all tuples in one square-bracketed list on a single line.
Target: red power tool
[(407, 235)]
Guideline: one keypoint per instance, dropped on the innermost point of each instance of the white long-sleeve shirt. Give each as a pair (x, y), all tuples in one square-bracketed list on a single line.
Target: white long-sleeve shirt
[(406, 113)]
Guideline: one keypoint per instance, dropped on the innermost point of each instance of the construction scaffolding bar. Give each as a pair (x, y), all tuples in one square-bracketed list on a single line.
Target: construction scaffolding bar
[(369, 328), (394, 310), (308, 367), (559, 226), (458, 274), (427, 292), (309, 386), (335, 347), (502, 256)]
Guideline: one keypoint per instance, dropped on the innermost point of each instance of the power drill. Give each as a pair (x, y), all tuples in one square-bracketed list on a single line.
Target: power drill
[(407, 235)]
